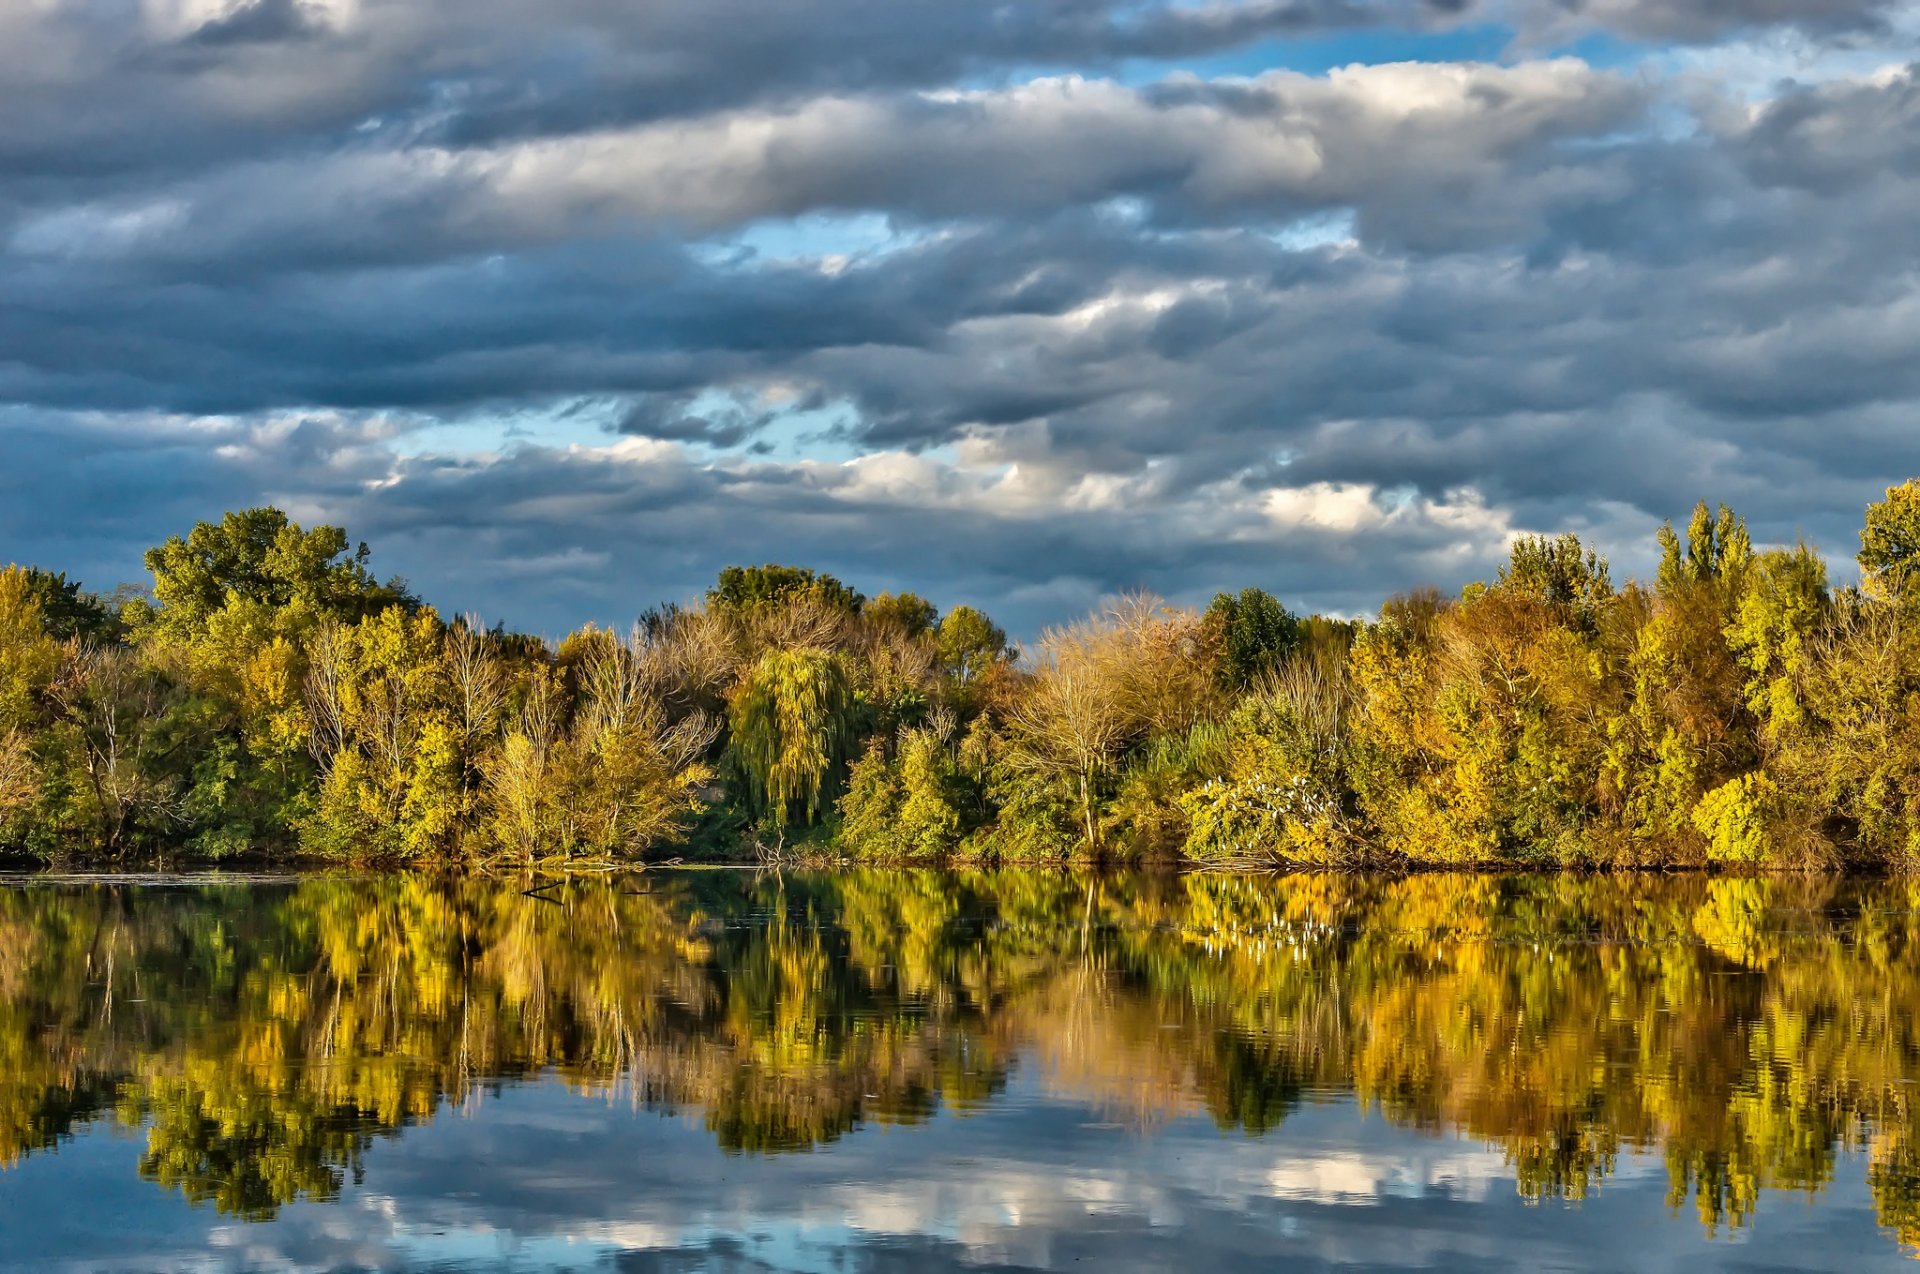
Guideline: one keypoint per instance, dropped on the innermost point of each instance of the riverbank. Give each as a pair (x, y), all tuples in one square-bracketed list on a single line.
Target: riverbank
[(1737, 710)]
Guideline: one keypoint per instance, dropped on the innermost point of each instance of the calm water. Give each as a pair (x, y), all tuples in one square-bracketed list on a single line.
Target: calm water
[(1018, 1070)]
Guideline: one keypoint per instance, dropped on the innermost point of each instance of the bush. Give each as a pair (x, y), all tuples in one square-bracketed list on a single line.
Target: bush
[(1737, 818)]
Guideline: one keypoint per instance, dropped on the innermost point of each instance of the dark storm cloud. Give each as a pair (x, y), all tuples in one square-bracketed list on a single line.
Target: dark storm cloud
[(1838, 138), (1695, 21), (1399, 141), (104, 86), (564, 307)]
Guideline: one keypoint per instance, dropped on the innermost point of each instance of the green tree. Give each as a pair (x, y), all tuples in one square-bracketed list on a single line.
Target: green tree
[(1717, 551), (793, 731), (69, 611), (1255, 632), (387, 737), (1890, 541), (261, 556), (910, 613), (29, 656), (906, 806), (1560, 573), (1774, 627), (970, 644), (30, 660), (747, 587)]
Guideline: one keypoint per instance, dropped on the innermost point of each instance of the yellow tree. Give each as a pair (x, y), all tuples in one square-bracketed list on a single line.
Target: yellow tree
[(29, 660), (1138, 669)]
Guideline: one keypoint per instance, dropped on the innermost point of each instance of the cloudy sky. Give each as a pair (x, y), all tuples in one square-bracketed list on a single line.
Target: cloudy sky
[(563, 304)]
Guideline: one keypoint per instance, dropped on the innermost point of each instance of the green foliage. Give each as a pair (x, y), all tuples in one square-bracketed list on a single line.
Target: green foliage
[(909, 613), (1148, 817), (1562, 574), (1255, 632), (1890, 541), (748, 587), (261, 556), (973, 655), (1774, 627), (30, 658), (384, 739), (1856, 762), (273, 697), (1037, 818), (1717, 551), (792, 725), (68, 611), (1281, 789), (908, 807)]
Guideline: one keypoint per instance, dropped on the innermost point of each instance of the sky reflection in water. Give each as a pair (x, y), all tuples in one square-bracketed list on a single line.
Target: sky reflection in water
[(1009, 1070)]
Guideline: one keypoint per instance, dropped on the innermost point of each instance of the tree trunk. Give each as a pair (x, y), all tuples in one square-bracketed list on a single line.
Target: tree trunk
[(1086, 807)]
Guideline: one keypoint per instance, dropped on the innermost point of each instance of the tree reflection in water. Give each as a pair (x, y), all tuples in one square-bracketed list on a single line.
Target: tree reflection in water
[(1748, 1030)]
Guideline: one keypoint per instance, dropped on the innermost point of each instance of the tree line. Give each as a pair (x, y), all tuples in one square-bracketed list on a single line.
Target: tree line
[(268, 695)]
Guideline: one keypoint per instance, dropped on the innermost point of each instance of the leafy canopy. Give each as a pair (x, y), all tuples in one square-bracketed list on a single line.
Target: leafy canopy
[(1890, 541), (793, 725), (747, 587), (261, 556), (1255, 633)]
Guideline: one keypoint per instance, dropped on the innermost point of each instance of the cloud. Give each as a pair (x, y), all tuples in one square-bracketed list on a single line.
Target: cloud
[(540, 1174), (1014, 304), (1694, 21), (1272, 149)]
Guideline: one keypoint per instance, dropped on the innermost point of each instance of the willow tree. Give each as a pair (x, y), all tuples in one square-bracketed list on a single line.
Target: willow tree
[(794, 730)]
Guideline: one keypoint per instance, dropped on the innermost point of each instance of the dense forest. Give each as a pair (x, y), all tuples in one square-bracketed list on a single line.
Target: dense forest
[(268, 695)]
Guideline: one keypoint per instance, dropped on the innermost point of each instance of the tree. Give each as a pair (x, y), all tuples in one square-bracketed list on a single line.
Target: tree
[(910, 613), (1255, 633), (631, 775), (1856, 765), (1717, 551), (69, 611), (30, 660), (792, 734), (113, 712), (1562, 574), (1890, 541), (906, 806), (1070, 724), (478, 683), (1774, 626), (19, 774), (747, 587), (29, 657), (970, 644), (386, 738), (1106, 683), (1282, 792), (261, 556)]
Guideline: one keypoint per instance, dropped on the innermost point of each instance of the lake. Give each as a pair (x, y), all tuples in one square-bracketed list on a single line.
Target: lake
[(885, 1070)]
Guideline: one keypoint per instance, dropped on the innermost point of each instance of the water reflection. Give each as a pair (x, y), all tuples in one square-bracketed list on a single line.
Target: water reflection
[(1743, 1041)]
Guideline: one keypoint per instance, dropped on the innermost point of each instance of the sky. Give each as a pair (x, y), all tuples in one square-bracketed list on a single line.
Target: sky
[(562, 305)]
